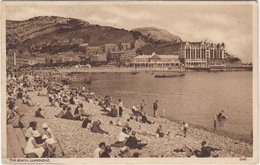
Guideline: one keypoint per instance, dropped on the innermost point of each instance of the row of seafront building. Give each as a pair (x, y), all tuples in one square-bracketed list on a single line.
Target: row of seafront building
[(191, 54)]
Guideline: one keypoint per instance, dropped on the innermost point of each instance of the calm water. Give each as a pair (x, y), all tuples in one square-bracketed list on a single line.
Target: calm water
[(196, 99)]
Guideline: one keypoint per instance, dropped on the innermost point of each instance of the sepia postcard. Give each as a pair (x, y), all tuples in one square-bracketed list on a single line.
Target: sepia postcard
[(136, 82)]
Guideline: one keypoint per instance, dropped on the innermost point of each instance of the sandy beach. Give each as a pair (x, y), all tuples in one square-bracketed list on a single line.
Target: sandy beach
[(80, 142)]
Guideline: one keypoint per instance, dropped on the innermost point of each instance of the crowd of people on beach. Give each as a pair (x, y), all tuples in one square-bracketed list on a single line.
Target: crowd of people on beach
[(19, 84)]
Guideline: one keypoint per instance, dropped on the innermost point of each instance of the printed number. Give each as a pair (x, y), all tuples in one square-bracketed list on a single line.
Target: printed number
[(243, 159)]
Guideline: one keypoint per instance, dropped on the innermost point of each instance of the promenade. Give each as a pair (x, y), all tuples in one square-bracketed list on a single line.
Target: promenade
[(116, 69)]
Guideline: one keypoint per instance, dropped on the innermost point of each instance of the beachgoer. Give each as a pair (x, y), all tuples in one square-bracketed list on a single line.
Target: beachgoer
[(86, 122), (215, 121), (48, 131), (68, 115), (145, 120), (14, 117), (143, 105), (106, 153), (163, 113), (220, 115), (96, 127), (122, 138), (133, 143), (38, 113), (136, 112), (120, 105), (33, 147), (51, 146), (185, 128), (119, 123), (155, 108), (206, 150), (29, 132), (98, 151), (126, 152), (113, 112), (159, 132), (62, 112)]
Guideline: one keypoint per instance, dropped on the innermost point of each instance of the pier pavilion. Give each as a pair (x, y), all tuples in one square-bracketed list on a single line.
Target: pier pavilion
[(155, 60)]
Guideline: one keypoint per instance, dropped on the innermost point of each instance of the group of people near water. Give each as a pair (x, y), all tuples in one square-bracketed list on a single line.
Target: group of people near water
[(19, 84)]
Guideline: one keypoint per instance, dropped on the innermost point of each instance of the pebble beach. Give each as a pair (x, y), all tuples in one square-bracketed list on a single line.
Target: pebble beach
[(78, 142)]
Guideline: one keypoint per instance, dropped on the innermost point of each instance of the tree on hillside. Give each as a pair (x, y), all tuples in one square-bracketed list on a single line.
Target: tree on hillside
[(234, 60)]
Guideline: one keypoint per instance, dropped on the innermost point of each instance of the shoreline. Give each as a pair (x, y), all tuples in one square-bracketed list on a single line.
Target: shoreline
[(243, 137), (145, 69), (212, 130)]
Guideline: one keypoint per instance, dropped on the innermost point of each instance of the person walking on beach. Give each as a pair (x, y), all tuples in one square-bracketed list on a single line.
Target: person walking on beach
[(215, 121), (185, 128), (120, 108), (142, 106), (155, 108)]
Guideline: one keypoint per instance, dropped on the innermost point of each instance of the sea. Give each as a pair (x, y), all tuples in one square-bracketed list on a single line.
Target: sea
[(195, 98)]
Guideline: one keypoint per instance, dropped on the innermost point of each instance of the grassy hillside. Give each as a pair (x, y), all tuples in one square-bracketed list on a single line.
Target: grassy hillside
[(57, 34)]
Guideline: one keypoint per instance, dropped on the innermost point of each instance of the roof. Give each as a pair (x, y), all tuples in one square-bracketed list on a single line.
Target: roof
[(161, 56)]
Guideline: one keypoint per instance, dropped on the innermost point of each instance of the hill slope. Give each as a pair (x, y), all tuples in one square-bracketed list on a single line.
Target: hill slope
[(158, 36), (53, 34)]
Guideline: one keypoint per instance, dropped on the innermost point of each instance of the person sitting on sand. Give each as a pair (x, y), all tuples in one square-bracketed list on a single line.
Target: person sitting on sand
[(206, 150), (96, 127), (106, 153), (159, 131), (126, 152), (145, 120), (38, 113), (14, 117), (113, 112), (107, 100), (62, 112), (122, 138), (48, 131), (133, 143), (27, 100), (98, 151), (86, 123), (33, 147), (119, 123), (40, 93), (50, 140), (136, 112), (51, 147), (68, 115), (29, 132), (77, 110)]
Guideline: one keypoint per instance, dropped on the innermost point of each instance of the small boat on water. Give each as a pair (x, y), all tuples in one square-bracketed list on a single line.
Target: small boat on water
[(134, 73), (163, 75), (66, 81)]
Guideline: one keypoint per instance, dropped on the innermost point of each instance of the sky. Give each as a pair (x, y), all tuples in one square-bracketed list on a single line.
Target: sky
[(226, 22)]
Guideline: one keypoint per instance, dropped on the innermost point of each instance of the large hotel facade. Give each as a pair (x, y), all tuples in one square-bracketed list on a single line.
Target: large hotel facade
[(201, 54)]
